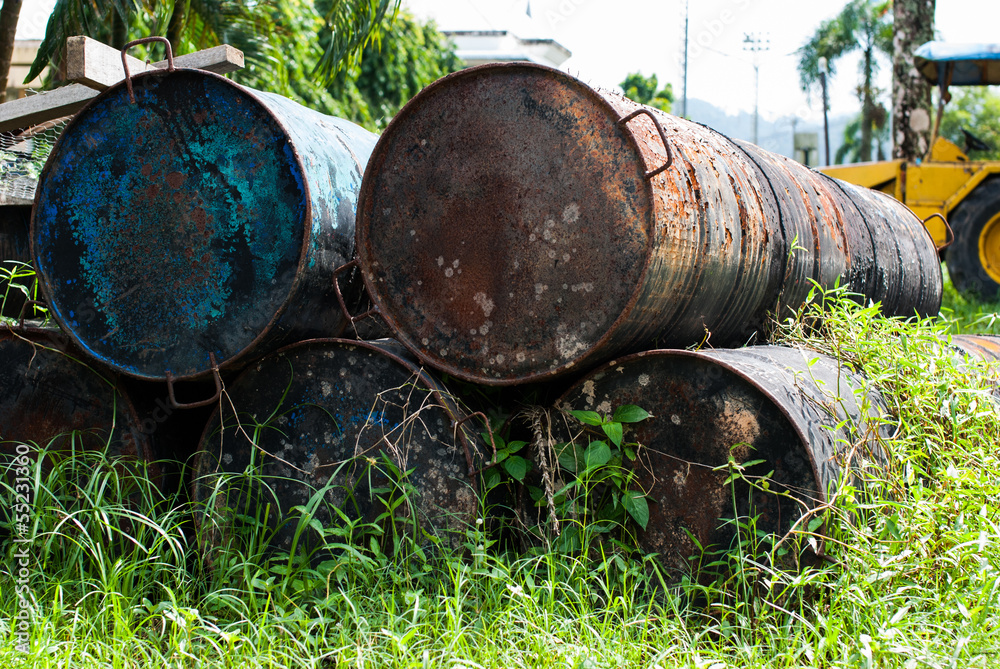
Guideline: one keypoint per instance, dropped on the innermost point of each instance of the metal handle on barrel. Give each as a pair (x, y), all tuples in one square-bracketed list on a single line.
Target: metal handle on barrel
[(144, 40), (340, 296), (950, 234), (201, 403), (663, 137)]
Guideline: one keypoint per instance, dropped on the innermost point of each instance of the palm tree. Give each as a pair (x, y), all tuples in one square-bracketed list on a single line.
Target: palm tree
[(268, 33), (864, 25), (850, 150)]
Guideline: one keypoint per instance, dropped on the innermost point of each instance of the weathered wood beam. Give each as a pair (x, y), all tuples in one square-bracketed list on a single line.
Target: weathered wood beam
[(95, 67), (46, 106), (99, 66)]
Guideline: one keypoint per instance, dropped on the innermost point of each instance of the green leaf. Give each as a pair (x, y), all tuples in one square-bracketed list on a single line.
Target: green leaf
[(637, 507), (630, 453), (588, 417), (516, 466), (630, 413), (614, 432), (491, 478), (570, 456), (597, 454)]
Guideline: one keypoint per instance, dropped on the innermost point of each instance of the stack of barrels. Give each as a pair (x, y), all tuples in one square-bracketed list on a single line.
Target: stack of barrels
[(228, 249)]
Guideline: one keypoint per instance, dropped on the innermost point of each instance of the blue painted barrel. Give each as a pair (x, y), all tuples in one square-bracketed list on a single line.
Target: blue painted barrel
[(203, 221)]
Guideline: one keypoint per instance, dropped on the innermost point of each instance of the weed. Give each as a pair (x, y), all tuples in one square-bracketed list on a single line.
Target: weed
[(911, 576)]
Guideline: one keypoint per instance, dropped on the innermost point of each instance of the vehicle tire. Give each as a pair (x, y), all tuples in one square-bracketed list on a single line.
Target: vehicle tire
[(974, 257)]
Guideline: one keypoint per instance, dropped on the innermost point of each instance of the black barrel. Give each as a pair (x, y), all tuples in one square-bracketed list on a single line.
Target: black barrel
[(16, 276), (196, 225), (797, 414), (358, 421), (515, 224), (51, 400)]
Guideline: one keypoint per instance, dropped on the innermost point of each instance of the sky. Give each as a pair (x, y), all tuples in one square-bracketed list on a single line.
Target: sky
[(610, 38)]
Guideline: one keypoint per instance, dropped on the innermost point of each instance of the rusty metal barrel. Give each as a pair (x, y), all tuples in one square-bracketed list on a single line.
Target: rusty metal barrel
[(184, 223), (983, 347), (514, 224), (833, 229), (51, 400), (792, 416), (342, 427)]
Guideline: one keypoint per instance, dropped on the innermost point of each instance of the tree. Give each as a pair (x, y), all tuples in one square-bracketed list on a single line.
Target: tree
[(411, 55), (913, 24), (643, 90), (8, 27), (863, 25), (287, 45), (977, 110), (268, 33), (850, 149)]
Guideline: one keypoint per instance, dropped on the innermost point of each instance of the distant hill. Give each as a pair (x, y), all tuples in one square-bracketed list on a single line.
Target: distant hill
[(774, 135)]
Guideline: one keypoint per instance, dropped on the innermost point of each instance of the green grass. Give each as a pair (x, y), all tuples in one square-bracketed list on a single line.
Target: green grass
[(968, 314), (117, 578)]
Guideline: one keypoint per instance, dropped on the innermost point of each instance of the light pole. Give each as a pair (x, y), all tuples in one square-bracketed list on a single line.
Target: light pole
[(754, 43), (826, 123), (684, 88)]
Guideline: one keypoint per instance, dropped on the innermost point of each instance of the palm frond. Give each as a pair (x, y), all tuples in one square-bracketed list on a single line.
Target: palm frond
[(349, 27)]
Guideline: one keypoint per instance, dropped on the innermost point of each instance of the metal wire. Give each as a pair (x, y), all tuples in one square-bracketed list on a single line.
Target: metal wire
[(22, 156)]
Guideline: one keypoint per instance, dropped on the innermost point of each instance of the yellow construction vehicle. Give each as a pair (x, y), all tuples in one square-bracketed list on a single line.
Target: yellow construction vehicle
[(946, 182)]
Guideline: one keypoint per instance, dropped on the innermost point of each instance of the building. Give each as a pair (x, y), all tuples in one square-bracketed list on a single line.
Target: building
[(492, 31), (20, 65)]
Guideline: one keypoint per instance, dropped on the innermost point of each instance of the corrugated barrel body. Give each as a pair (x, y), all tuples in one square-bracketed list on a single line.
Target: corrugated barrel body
[(51, 400), (347, 419), (795, 411), (984, 347), (811, 224), (204, 219), (508, 230), (515, 224), (892, 258), (833, 229)]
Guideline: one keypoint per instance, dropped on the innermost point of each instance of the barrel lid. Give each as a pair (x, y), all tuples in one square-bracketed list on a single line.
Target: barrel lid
[(171, 229), (328, 415), (504, 222), (789, 415), (47, 395)]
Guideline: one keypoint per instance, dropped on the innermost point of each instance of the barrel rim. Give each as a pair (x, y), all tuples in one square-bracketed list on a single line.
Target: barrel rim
[(239, 356), (377, 160), (706, 356)]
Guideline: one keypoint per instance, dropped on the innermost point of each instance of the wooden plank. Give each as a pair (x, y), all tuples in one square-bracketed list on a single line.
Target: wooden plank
[(221, 59), (99, 66), (46, 106)]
